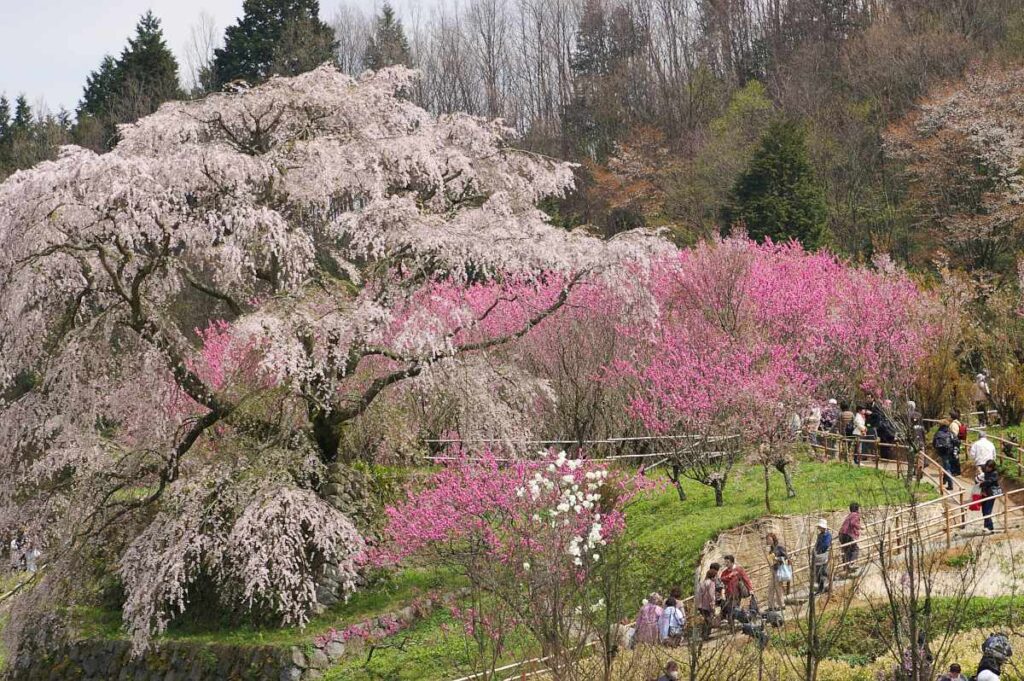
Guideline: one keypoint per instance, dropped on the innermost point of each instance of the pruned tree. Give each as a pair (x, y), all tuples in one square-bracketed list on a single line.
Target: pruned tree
[(329, 239)]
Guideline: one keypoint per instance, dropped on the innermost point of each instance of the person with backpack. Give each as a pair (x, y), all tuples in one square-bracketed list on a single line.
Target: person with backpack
[(995, 652), (671, 623), (988, 481), (959, 430), (822, 549), (944, 443), (738, 587)]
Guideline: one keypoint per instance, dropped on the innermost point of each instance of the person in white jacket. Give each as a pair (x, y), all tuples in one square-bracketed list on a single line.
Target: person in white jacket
[(860, 430), (982, 451)]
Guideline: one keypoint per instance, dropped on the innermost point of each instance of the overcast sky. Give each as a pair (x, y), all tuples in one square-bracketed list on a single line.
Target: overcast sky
[(48, 47)]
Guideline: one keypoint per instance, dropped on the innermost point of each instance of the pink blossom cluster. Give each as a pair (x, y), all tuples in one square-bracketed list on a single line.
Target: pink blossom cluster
[(748, 333), (548, 516), (368, 630)]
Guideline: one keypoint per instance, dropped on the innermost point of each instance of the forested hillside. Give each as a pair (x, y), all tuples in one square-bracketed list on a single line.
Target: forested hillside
[(677, 110)]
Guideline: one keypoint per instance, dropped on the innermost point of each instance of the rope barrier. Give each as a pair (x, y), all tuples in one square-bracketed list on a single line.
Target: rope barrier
[(611, 440), (507, 459)]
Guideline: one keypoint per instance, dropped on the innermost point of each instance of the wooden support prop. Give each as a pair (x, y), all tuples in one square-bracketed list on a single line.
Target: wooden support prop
[(949, 532)]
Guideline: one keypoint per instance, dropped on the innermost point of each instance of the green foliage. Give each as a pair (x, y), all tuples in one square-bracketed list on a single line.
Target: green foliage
[(960, 559), (273, 36), (123, 90), (698, 190), (778, 196), (388, 45)]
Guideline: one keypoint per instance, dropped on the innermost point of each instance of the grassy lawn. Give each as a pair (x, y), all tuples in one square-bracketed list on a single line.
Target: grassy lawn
[(668, 534)]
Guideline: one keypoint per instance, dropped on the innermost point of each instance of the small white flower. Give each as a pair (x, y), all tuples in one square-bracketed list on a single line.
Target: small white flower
[(526, 566)]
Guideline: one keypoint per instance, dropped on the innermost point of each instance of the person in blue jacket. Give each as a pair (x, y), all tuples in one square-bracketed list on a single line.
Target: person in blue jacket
[(822, 550)]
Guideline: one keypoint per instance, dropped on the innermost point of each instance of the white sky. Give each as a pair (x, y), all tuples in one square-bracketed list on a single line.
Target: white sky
[(48, 47)]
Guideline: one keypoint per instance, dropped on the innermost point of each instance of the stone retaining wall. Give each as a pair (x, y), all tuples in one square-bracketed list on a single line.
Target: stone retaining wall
[(180, 661)]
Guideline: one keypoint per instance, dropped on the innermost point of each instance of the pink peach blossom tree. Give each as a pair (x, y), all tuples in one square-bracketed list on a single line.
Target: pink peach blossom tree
[(748, 335), (530, 537)]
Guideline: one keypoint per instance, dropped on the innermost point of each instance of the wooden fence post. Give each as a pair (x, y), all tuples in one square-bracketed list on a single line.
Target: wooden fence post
[(1006, 513), (963, 510), (878, 451), (945, 512)]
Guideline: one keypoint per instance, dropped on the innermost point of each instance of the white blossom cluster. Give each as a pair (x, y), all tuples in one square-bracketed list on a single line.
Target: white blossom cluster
[(571, 500)]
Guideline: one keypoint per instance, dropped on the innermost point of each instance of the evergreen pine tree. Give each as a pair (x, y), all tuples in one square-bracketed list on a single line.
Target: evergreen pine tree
[(123, 90), (22, 122), (274, 35), (778, 196), (100, 86), (5, 136), (5, 119), (388, 45), (147, 72)]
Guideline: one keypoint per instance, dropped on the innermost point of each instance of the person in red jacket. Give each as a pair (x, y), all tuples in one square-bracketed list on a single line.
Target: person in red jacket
[(737, 586)]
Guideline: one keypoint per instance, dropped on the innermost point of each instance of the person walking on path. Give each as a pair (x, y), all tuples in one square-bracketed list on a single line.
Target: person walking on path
[(995, 652), (988, 480), (959, 430), (860, 431), (671, 623), (981, 396), (704, 601), (944, 443), (781, 572), (822, 548), (647, 620), (738, 587), (849, 535), (982, 451), (916, 421)]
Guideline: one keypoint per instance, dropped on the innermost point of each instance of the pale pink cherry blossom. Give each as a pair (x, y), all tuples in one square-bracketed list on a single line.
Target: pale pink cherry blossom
[(329, 239)]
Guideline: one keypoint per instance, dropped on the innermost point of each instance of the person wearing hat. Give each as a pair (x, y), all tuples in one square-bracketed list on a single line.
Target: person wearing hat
[(822, 548), (995, 651), (981, 398)]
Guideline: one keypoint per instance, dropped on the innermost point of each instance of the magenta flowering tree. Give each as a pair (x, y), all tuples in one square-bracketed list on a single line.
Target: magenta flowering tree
[(330, 239), (529, 537), (748, 335)]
